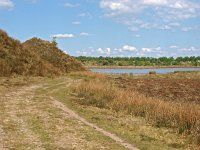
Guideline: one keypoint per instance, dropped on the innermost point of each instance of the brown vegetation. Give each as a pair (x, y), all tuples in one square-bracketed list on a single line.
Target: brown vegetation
[(104, 94), (179, 87), (35, 57), (54, 56)]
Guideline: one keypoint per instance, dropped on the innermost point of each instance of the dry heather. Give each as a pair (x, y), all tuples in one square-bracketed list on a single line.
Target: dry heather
[(176, 87), (103, 94), (54, 56), (36, 58)]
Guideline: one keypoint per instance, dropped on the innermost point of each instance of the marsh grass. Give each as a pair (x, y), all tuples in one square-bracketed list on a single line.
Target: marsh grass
[(103, 94)]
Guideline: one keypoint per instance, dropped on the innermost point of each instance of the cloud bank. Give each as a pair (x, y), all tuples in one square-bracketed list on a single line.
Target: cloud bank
[(158, 14), (6, 4)]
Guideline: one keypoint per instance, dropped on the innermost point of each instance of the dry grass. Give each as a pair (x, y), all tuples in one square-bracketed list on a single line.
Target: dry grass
[(103, 94), (88, 75)]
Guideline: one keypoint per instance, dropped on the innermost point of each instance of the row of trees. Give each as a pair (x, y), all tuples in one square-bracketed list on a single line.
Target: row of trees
[(140, 61)]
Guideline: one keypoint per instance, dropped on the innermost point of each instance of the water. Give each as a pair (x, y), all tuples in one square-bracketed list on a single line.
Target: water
[(141, 70)]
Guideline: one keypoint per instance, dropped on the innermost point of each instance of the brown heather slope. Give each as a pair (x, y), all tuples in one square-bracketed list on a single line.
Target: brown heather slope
[(25, 59), (50, 53)]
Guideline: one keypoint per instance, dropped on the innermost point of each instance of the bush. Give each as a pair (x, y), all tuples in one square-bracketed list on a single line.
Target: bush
[(152, 72)]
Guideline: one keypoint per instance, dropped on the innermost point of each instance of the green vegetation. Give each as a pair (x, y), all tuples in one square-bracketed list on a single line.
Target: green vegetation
[(35, 57), (139, 61)]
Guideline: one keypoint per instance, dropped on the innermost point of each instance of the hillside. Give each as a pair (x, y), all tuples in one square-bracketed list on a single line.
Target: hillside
[(50, 53), (35, 57)]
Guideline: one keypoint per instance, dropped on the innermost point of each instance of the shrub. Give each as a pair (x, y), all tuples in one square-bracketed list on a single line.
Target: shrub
[(152, 72)]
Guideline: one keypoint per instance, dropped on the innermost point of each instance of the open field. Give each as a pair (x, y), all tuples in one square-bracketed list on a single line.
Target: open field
[(83, 111)]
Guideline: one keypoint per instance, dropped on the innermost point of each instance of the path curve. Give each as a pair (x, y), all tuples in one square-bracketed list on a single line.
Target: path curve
[(70, 112)]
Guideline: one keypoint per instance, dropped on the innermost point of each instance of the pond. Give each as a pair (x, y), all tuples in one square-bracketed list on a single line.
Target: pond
[(140, 70)]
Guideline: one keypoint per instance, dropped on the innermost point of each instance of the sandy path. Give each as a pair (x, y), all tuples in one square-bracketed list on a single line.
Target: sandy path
[(1, 139), (117, 139), (16, 104), (22, 101)]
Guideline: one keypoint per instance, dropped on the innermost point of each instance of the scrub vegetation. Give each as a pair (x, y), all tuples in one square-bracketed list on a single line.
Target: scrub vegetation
[(35, 57), (140, 61)]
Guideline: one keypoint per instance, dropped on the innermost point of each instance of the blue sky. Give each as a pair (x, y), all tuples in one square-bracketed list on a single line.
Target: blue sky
[(152, 28)]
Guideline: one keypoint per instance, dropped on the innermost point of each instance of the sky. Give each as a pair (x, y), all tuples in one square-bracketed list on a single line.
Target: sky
[(122, 28)]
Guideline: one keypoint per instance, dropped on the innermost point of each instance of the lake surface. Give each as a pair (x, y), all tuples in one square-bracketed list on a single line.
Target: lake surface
[(141, 70)]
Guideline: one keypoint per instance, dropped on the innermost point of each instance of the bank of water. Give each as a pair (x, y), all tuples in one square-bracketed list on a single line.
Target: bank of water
[(140, 70)]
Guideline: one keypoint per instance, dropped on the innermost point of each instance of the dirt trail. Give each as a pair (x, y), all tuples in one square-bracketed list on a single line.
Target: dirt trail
[(106, 133), (1, 139), (14, 108), (30, 121)]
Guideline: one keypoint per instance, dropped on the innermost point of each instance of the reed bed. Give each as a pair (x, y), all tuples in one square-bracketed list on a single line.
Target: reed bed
[(103, 94)]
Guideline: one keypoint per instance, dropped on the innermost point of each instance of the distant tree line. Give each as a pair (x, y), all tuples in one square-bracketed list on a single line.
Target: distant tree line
[(140, 61)]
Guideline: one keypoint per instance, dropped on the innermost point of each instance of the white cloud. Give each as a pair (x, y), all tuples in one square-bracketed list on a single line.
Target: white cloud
[(146, 49), (173, 47), (133, 29), (165, 27), (174, 24), (6, 4), (186, 29), (71, 5), (137, 35), (106, 51), (156, 2), (76, 22), (151, 50), (70, 35), (129, 48), (191, 49), (62, 36), (170, 51), (84, 34), (164, 14), (114, 5), (85, 14)]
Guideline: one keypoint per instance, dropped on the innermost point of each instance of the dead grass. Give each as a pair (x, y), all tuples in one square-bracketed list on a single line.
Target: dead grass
[(86, 75), (103, 94)]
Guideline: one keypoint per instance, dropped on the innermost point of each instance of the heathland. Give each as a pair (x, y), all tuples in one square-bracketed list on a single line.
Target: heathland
[(49, 101), (35, 57)]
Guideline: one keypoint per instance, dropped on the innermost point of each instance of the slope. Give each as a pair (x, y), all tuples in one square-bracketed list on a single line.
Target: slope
[(50, 53), (27, 59)]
